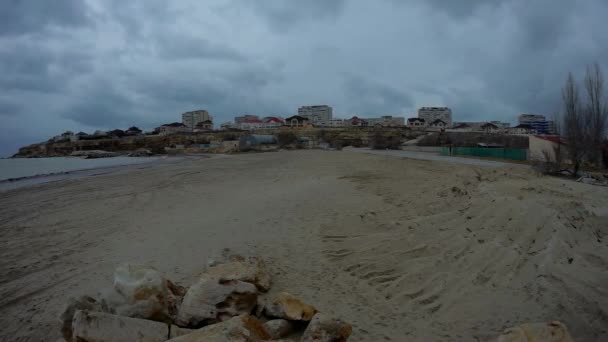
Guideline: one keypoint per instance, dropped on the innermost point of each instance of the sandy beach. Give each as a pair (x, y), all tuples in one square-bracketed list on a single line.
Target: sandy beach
[(405, 250)]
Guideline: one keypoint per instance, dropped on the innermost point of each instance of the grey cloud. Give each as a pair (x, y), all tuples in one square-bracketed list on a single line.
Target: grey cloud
[(19, 17), (144, 61), (33, 66), (100, 104), (180, 46), (9, 108), (373, 98), (461, 8), (282, 15)]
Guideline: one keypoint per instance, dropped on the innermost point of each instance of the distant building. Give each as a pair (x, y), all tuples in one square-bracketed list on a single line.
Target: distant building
[(430, 114), (272, 122), (133, 130), (522, 129), (462, 127), (172, 128), (249, 123), (480, 126), (489, 127), (336, 123), (191, 119), (202, 126), (416, 122), (501, 124), (296, 121), (246, 117), (227, 126), (539, 123), (438, 124), (317, 115), (356, 122), (386, 121)]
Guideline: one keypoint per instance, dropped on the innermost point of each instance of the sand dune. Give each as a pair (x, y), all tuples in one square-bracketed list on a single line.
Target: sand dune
[(402, 249)]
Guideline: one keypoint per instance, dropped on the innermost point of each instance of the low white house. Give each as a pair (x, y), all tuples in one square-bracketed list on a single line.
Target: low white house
[(416, 123), (438, 124)]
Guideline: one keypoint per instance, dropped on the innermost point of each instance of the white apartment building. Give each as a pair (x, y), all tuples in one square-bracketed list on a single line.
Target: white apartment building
[(317, 115), (537, 122), (430, 114), (191, 119)]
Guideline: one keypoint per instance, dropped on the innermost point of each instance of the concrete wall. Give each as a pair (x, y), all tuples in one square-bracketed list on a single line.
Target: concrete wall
[(541, 149)]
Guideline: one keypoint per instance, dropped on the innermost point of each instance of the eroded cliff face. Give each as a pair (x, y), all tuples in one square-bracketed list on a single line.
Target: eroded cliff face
[(357, 137), (155, 144)]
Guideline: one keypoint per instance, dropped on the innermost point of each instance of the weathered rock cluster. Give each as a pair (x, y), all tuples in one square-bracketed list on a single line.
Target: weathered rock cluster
[(228, 302)]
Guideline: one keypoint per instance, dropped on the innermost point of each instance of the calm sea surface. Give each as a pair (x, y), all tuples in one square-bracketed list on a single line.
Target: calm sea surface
[(22, 167)]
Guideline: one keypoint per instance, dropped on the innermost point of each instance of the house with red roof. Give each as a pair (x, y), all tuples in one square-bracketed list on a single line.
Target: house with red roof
[(250, 123), (272, 122), (356, 122)]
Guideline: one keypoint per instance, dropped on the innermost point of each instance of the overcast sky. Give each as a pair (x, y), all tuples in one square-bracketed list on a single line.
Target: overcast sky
[(100, 64)]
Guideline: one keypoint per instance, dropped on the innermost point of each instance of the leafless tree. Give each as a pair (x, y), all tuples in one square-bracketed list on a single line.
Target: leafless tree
[(596, 112), (574, 123)]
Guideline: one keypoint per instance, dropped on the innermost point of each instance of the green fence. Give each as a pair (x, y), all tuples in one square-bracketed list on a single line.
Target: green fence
[(502, 153)]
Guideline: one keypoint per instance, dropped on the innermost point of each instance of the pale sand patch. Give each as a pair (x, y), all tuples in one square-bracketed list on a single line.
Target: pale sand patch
[(387, 244)]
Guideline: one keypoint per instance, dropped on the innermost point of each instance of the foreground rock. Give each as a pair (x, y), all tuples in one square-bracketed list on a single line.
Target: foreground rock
[(250, 270), (73, 305), (141, 292), (323, 328), (537, 332), (278, 328), (102, 327), (212, 300), (287, 306), (244, 328)]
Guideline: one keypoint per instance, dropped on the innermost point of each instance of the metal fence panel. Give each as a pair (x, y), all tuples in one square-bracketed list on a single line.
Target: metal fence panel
[(502, 153)]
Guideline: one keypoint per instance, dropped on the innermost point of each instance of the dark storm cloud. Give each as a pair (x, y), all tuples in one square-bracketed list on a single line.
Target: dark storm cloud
[(282, 15), (32, 66), (224, 93), (461, 8), (178, 46), (30, 16), (100, 104), (9, 108), (96, 64), (373, 98)]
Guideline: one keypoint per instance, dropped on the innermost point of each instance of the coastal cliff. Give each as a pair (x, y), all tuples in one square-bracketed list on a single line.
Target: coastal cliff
[(160, 144)]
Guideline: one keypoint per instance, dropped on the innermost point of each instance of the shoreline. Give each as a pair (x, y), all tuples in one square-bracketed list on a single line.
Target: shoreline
[(25, 181)]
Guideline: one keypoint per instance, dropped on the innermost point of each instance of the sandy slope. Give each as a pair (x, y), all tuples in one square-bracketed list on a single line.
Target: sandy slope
[(403, 249)]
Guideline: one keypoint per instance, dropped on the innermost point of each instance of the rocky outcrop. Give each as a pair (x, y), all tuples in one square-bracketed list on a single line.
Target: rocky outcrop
[(287, 306), (142, 292), (323, 328), (278, 328), (142, 305), (100, 327), (536, 332), (93, 154), (73, 305), (212, 300), (250, 270), (244, 328), (141, 152)]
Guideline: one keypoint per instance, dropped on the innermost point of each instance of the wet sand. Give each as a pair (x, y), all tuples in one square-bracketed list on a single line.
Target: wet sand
[(403, 249)]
